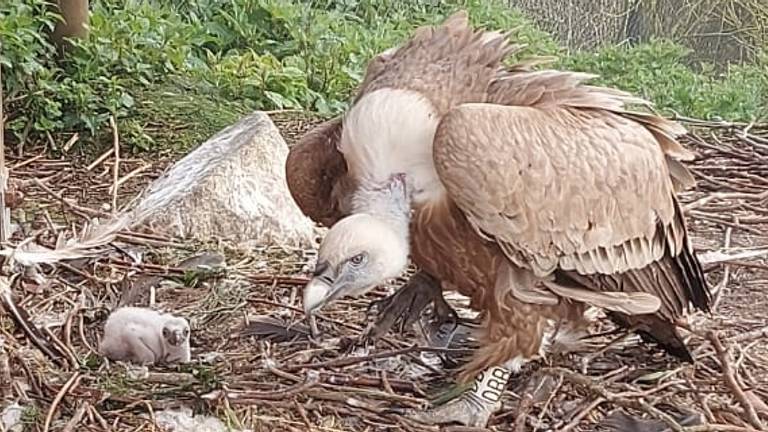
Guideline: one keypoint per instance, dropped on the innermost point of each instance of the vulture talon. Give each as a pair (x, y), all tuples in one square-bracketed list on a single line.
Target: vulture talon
[(474, 407), (464, 410), (439, 329), (404, 308)]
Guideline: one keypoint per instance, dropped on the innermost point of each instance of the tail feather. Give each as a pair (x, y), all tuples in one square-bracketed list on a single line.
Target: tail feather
[(654, 329)]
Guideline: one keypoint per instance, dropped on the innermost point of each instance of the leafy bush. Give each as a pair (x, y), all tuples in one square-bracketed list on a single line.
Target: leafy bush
[(131, 45), (313, 57), (28, 80), (659, 72), (269, 54), (277, 54)]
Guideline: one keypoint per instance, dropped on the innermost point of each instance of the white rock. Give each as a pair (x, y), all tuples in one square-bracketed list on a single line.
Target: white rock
[(232, 186)]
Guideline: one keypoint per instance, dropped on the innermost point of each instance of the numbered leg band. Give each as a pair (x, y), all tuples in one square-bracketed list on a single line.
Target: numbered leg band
[(490, 384)]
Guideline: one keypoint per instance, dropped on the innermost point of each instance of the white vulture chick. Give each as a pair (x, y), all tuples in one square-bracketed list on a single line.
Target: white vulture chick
[(145, 336)]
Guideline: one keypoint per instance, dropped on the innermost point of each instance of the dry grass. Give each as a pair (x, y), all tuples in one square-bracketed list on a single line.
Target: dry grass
[(300, 385)]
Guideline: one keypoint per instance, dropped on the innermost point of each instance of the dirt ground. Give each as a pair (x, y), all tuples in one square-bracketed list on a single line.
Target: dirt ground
[(273, 378)]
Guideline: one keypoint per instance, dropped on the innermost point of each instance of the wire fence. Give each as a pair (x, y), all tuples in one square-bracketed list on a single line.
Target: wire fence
[(718, 31)]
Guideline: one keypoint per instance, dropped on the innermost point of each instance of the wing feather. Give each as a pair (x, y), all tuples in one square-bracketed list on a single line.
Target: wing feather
[(618, 186), (608, 216), (316, 174)]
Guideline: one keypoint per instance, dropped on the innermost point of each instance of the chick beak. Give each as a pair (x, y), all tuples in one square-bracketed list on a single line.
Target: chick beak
[(178, 337)]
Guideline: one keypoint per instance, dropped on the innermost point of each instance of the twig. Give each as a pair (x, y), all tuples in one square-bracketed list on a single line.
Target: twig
[(133, 173), (303, 414), (116, 167), (760, 333), (70, 142), (142, 241), (100, 159), (27, 162), (620, 400), (76, 417), (730, 378), (583, 413), (6, 380), (724, 195), (167, 378), (63, 348), (312, 379), (551, 397), (348, 361), (717, 428), (719, 288), (525, 404), (61, 199), (19, 316), (66, 388)]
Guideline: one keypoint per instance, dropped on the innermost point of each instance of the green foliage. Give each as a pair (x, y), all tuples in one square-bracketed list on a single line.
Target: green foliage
[(28, 80), (175, 71), (296, 53), (266, 54), (31, 415), (132, 44), (659, 72), (179, 114)]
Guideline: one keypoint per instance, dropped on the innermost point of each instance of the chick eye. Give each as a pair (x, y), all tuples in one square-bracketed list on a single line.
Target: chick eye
[(165, 332), (357, 259)]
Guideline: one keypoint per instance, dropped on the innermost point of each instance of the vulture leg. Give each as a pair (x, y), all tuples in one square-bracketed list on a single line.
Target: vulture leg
[(405, 306), (512, 335), (474, 407)]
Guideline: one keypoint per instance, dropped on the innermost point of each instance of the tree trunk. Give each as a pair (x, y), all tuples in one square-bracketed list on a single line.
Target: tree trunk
[(75, 23), (4, 217)]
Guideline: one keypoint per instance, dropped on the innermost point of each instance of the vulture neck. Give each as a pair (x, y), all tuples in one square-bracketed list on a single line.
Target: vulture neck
[(387, 204), (391, 131)]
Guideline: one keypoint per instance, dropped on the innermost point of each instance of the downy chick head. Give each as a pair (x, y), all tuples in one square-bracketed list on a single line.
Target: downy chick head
[(176, 331)]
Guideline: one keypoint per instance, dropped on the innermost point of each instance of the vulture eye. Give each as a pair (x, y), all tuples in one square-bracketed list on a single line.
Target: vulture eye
[(165, 332), (358, 259)]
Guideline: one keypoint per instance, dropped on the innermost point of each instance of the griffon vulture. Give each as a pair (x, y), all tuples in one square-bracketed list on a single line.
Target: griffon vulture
[(529, 191)]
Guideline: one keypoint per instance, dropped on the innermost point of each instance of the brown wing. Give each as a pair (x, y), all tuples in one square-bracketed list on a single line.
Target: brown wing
[(449, 64), (317, 174), (520, 86), (572, 191), (427, 62)]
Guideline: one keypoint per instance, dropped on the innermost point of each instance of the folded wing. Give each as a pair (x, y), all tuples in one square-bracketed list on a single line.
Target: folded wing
[(578, 192)]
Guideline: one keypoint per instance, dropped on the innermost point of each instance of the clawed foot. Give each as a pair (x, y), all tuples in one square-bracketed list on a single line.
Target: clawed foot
[(474, 406), (439, 325), (404, 307), (468, 410)]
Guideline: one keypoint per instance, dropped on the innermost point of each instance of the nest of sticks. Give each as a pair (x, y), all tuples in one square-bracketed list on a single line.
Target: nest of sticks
[(255, 368)]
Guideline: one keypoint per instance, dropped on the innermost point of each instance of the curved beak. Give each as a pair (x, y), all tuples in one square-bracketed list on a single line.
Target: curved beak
[(316, 294), (175, 337), (320, 289)]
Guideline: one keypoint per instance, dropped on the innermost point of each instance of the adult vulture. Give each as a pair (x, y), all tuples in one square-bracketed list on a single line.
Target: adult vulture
[(528, 191)]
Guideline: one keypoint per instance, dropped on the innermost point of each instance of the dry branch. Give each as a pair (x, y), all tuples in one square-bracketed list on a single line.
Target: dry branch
[(353, 391), (730, 378)]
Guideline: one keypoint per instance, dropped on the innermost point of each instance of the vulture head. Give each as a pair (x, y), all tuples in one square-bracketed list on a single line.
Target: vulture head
[(365, 249)]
